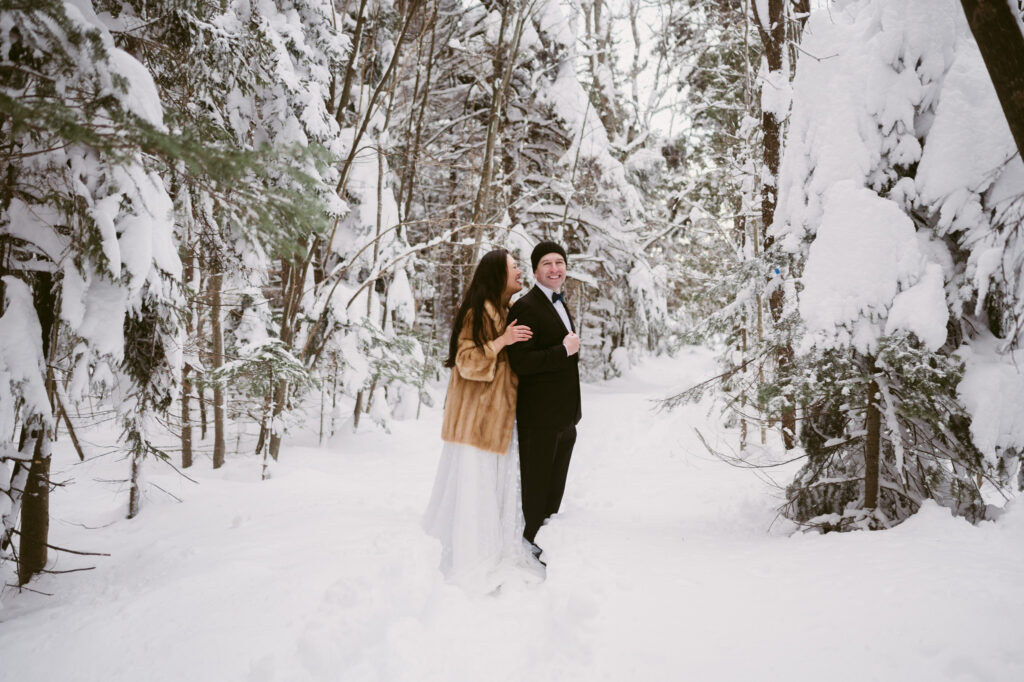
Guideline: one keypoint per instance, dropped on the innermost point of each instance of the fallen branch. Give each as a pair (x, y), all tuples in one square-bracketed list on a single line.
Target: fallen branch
[(165, 492), (68, 570), (23, 587), (739, 462), (69, 551)]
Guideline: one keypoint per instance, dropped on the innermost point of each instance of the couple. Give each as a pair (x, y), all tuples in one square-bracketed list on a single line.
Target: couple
[(510, 415)]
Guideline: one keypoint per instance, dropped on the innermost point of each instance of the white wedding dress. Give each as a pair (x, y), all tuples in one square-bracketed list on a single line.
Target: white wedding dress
[(476, 512)]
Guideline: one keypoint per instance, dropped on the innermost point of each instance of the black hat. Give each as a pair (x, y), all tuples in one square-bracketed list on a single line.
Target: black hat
[(543, 249)]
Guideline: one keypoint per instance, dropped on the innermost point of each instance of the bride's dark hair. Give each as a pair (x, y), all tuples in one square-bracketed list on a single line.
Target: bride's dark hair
[(488, 284)]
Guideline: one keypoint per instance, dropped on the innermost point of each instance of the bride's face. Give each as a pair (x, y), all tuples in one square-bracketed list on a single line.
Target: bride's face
[(514, 281)]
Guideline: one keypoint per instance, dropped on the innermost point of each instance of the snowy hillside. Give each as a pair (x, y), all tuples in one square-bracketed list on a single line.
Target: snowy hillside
[(666, 564)]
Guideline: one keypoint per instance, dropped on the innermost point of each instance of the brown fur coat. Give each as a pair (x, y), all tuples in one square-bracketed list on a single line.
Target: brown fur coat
[(480, 408)]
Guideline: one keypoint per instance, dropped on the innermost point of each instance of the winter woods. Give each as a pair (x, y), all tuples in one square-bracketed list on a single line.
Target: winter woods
[(220, 221)]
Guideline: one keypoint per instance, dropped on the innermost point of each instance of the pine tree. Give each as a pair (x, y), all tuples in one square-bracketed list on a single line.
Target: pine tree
[(875, 220), (86, 227)]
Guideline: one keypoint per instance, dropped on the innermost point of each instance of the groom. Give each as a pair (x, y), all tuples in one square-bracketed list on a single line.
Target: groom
[(548, 406)]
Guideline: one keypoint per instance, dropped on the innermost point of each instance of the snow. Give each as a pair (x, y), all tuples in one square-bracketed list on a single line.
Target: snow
[(868, 67), (552, 22), (827, 133), (21, 359), (661, 566), (147, 230), (762, 14), (400, 299), (921, 309), (992, 390), (104, 301), (961, 154), (864, 266), (143, 99), (776, 93)]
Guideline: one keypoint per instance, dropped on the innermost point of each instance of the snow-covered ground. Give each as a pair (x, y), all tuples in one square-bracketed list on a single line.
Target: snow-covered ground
[(660, 567)]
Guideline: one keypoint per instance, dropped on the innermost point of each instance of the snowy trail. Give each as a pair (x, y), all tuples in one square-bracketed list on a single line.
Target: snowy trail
[(660, 568)]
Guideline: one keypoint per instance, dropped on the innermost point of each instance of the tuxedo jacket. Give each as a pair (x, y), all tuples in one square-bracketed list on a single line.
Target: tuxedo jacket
[(549, 378)]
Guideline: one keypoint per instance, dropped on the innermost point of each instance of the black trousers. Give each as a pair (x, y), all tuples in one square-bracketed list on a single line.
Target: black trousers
[(544, 455)]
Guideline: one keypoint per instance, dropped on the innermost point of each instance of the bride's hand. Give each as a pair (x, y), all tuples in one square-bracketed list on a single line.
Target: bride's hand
[(514, 333)]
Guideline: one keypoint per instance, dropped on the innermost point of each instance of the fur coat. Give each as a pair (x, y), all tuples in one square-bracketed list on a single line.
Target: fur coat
[(480, 408)]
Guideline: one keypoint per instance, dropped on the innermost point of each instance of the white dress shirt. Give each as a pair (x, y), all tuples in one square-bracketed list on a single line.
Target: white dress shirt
[(559, 307)]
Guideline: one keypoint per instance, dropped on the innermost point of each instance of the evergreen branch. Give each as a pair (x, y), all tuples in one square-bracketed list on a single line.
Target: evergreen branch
[(740, 463), (695, 392)]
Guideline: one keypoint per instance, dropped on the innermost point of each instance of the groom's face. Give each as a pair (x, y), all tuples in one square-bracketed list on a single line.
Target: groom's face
[(551, 271)]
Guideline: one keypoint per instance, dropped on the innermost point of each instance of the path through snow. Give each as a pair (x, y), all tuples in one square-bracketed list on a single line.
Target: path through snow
[(661, 567)]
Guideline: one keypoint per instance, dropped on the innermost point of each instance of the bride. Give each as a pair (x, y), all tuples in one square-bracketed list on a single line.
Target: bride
[(475, 509)]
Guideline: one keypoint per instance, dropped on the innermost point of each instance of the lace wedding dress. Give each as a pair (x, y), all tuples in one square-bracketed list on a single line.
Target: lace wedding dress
[(476, 512)]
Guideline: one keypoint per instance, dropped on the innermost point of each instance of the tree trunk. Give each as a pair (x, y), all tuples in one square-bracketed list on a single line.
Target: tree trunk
[(204, 357), (350, 68), (772, 30), (1001, 43), (410, 175), (480, 203), (293, 275), (280, 395), (35, 510), (186, 418), (16, 493), (263, 447), (334, 394), (740, 222), (264, 420), (186, 378), (598, 33), (357, 412), (216, 361), (503, 65), (872, 444), (134, 492)]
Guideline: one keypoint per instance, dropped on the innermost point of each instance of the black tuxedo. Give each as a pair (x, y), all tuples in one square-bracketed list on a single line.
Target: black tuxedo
[(547, 408)]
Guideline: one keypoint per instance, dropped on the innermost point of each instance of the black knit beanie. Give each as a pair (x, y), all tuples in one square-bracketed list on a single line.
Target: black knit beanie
[(543, 249)]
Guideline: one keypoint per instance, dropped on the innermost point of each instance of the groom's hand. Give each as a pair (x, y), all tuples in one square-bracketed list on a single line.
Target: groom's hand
[(571, 343)]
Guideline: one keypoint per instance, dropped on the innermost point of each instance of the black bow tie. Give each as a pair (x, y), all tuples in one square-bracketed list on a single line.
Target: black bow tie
[(556, 297)]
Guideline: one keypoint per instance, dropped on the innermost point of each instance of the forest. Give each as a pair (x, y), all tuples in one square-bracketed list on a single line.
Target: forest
[(225, 222)]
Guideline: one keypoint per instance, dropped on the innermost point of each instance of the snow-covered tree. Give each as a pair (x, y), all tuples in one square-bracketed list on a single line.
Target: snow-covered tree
[(899, 205), (90, 267)]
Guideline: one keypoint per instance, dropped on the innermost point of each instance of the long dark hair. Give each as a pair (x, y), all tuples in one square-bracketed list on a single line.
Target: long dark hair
[(488, 284)]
